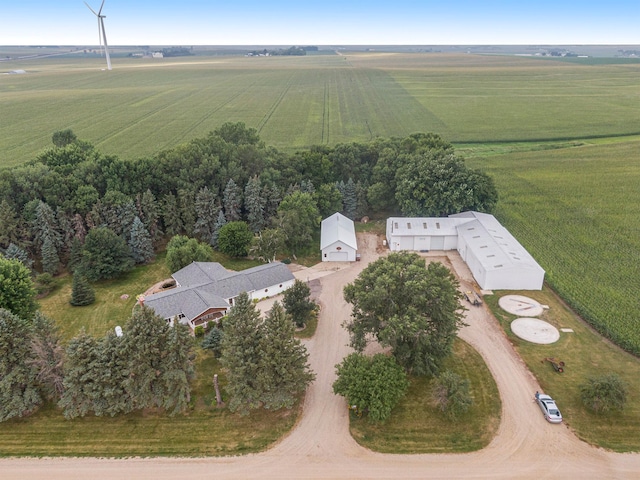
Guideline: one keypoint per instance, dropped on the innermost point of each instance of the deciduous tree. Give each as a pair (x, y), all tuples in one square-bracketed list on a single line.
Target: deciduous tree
[(182, 250), (604, 393), (298, 304), (412, 309), (17, 293), (105, 255), (371, 384), (234, 239), (451, 394)]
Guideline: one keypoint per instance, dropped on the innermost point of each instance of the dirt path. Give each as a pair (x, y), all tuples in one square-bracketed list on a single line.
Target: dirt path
[(526, 447)]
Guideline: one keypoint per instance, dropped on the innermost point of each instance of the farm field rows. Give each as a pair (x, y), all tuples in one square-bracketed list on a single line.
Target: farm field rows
[(144, 106)]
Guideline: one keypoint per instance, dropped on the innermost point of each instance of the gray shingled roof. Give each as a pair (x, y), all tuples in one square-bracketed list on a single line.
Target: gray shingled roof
[(205, 285)]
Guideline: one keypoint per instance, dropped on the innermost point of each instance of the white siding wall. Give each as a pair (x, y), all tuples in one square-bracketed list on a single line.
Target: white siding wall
[(271, 291)]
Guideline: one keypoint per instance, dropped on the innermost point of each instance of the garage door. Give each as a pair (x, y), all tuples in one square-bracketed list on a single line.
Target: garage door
[(338, 256)]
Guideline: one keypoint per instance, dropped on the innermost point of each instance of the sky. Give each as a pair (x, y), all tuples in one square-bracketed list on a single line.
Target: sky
[(330, 22)]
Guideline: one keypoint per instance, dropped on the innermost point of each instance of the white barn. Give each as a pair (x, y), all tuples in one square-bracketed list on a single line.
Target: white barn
[(496, 259), (338, 239)]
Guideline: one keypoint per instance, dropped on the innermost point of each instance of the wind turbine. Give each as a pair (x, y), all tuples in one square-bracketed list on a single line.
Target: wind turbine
[(102, 36)]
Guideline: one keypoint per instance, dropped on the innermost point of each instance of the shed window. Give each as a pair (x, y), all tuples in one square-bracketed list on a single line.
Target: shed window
[(438, 225), (395, 225), (408, 226), (424, 225)]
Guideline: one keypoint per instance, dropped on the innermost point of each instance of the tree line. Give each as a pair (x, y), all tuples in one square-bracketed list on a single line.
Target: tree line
[(50, 205)]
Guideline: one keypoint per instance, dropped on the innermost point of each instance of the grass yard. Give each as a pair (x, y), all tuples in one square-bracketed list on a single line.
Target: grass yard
[(585, 353), (204, 431), (416, 425), (576, 210)]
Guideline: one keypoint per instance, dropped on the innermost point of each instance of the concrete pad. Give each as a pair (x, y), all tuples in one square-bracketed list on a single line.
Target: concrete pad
[(520, 305), (535, 330)]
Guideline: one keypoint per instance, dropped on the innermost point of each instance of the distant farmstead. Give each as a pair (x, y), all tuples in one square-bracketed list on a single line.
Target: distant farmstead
[(338, 239), (496, 259), (205, 291)]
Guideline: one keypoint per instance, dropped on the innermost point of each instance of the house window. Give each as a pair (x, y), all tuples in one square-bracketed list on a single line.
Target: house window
[(424, 225), (266, 290), (438, 225), (395, 225), (408, 226)]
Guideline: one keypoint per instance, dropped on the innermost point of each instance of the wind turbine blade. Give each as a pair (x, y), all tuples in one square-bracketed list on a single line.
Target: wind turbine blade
[(91, 9), (100, 11)]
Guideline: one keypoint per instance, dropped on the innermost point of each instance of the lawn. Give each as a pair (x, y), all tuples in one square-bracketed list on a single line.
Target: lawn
[(416, 425), (585, 353)]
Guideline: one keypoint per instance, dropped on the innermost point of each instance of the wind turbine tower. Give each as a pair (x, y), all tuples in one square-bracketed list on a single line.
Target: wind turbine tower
[(102, 36)]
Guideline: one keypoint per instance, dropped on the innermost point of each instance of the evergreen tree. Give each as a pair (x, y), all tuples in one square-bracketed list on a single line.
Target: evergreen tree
[(206, 214), (451, 393), (221, 221), (232, 201), (75, 255), (254, 204), (140, 243), (79, 229), (65, 228), (82, 292), (306, 186), (273, 197), (298, 304), (45, 226), (82, 373), (178, 369), (18, 383), (213, 341), (171, 215), (350, 199), (186, 206), (113, 373), (47, 357), (283, 368), (10, 231), (13, 251), (149, 213), (144, 350), (50, 258), (241, 355)]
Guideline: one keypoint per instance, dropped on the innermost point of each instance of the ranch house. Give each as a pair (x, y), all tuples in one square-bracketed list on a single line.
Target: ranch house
[(496, 259), (205, 291)]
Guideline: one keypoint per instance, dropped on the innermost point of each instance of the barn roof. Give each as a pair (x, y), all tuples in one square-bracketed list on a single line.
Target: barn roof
[(492, 243), (336, 228)]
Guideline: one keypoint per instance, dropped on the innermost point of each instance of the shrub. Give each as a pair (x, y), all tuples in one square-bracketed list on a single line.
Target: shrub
[(604, 393)]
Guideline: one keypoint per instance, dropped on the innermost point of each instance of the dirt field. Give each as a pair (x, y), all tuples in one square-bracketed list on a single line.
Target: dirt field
[(320, 447)]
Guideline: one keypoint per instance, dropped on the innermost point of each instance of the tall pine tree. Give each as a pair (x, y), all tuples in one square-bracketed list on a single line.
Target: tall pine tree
[(206, 213), (232, 201), (284, 372), (82, 292), (140, 242), (19, 394), (254, 204), (241, 355)]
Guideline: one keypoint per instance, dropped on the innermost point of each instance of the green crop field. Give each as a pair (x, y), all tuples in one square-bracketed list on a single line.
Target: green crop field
[(145, 105), (577, 211)]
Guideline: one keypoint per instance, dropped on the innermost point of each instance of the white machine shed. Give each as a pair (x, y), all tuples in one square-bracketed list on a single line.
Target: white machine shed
[(496, 259), (338, 239)]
